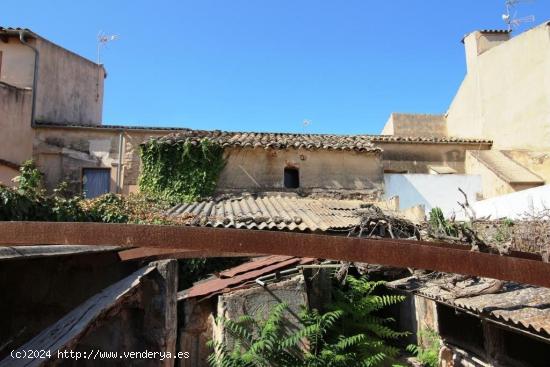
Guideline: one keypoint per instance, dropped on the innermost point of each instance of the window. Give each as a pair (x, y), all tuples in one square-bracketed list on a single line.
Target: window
[(95, 181), (292, 178)]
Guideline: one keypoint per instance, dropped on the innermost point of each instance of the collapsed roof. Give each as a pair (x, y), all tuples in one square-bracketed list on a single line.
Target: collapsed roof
[(516, 305)]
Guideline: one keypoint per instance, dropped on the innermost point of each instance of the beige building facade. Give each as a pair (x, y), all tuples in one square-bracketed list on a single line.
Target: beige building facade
[(67, 139), (504, 98), (68, 87)]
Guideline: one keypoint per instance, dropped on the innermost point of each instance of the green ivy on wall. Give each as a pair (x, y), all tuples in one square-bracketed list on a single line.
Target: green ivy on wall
[(181, 172)]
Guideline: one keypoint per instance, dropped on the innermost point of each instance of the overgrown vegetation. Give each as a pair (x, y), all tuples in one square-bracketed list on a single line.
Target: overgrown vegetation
[(30, 201), (180, 172), (350, 334), (439, 225), (427, 352)]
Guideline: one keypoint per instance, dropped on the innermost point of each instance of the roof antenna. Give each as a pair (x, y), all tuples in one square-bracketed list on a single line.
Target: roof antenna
[(511, 20), (102, 40)]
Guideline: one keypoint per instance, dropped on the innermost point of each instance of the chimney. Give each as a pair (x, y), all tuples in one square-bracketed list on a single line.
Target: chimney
[(478, 42)]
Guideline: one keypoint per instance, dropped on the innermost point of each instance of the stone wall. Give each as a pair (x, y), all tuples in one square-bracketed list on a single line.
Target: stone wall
[(15, 123), (61, 154), (413, 124), (263, 170), (415, 158)]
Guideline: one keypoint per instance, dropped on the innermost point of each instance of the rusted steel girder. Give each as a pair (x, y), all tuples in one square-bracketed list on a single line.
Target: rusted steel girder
[(142, 253), (399, 253)]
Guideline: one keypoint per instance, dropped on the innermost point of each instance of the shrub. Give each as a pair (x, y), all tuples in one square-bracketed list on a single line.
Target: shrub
[(428, 355), (350, 334)]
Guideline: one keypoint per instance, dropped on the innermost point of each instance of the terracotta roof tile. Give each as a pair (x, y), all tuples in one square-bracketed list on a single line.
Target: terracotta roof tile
[(359, 143)]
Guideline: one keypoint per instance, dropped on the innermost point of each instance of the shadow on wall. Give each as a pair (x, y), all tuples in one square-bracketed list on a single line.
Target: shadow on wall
[(431, 190)]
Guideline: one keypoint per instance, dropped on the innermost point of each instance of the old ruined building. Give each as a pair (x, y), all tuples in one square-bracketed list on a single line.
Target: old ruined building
[(493, 143)]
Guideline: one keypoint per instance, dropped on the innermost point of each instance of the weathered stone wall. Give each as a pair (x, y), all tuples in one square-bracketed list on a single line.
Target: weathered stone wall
[(263, 170), (132, 160), (15, 123), (413, 124), (61, 154), (70, 87), (415, 158), (492, 185)]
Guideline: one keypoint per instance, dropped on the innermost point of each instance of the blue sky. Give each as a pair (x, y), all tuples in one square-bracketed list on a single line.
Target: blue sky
[(270, 64)]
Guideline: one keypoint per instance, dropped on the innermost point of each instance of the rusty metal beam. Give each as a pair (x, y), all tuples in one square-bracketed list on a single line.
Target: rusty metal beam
[(400, 253), (149, 253)]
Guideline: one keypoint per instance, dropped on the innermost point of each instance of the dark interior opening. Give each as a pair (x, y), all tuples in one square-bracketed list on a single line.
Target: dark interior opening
[(461, 329), (292, 178), (523, 350)]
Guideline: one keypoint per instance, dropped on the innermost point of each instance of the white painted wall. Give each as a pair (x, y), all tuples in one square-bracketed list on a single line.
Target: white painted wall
[(514, 205), (431, 190)]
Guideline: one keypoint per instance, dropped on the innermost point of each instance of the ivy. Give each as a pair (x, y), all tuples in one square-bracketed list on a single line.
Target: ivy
[(181, 172)]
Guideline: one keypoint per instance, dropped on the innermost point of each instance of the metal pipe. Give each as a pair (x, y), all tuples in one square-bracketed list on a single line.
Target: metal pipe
[(35, 76), (276, 275), (119, 164)]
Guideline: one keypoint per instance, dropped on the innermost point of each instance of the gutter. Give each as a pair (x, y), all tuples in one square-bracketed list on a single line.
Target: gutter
[(119, 165), (35, 76)]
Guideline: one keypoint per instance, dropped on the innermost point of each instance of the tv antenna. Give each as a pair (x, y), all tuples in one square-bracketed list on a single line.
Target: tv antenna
[(102, 40), (510, 19)]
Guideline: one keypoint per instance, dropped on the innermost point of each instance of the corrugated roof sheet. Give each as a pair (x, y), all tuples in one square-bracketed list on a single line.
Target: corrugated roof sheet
[(242, 275), (506, 168), (522, 306), (273, 212)]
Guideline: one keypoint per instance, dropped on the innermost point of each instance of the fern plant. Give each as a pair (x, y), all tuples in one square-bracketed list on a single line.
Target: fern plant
[(428, 355), (349, 334)]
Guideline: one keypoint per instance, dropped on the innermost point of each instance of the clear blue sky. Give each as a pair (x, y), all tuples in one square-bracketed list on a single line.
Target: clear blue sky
[(270, 64)]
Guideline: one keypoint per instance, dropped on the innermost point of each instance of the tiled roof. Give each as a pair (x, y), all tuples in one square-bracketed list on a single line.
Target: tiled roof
[(426, 139), (242, 275), (273, 212), (359, 143), (11, 30), (43, 124), (277, 140), (307, 141), (521, 306)]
